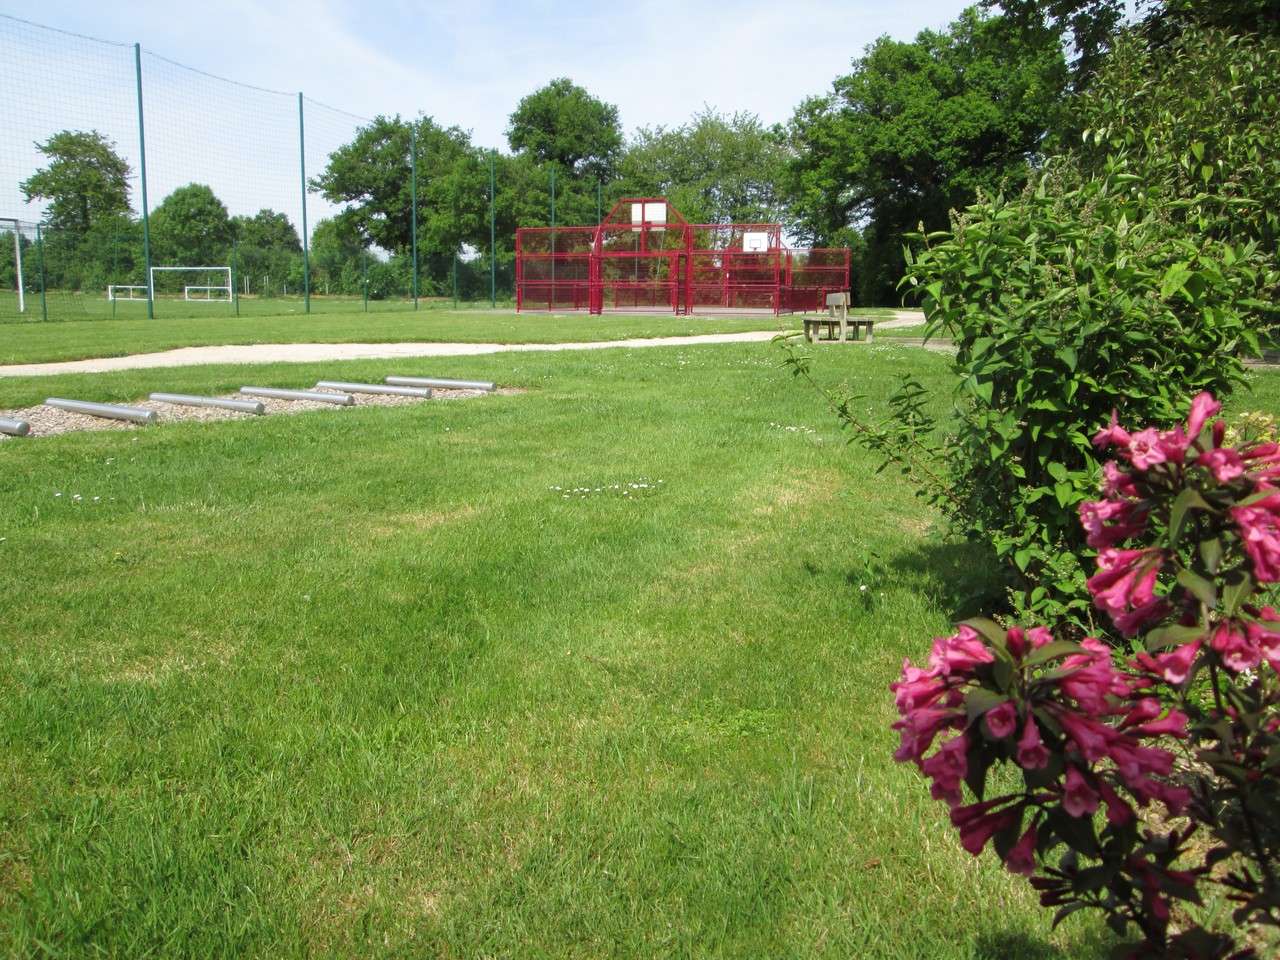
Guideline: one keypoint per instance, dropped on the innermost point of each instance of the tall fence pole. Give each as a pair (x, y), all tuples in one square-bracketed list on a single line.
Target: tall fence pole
[(44, 306), (235, 275), (413, 203), (142, 173), (493, 250), (306, 254)]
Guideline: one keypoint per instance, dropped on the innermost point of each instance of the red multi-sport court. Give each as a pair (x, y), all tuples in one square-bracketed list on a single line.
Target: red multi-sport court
[(645, 256)]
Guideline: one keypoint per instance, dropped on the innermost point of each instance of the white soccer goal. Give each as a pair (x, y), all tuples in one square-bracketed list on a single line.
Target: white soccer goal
[(195, 284), (17, 259), (121, 291)]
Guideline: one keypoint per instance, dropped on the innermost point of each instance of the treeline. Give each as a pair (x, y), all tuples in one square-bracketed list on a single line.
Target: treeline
[(916, 130)]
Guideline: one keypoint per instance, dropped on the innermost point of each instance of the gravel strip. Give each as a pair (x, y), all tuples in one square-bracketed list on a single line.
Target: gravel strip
[(46, 421)]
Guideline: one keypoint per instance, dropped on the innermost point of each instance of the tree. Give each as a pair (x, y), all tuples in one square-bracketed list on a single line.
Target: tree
[(86, 181), (919, 129), (336, 256), (1237, 17), (1087, 27), (714, 169), (268, 230), (191, 228), (373, 176), (563, 124)]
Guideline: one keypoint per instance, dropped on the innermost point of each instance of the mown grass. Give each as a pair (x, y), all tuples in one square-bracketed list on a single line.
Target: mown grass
[(583, 671), (27, 342)]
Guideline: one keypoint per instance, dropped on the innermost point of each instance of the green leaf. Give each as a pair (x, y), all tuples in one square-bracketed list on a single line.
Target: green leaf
[(1051, 651), (1202, 589), (1238, 587), (1188, 499), (1172, 636)]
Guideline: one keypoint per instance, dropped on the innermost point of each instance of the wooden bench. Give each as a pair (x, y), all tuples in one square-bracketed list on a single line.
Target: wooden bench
[(837, 323)]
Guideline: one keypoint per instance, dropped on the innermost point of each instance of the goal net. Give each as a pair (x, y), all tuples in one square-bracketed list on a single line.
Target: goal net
[(193, 284)]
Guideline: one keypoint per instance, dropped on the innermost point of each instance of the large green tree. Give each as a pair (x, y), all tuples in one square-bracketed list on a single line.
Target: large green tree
[(191, 228), (918, 129), (714, 169), (373, 176), (563, 124), (85, 182)]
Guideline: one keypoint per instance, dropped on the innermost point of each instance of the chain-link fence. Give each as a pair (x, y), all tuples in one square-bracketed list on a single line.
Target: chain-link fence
[(133, 184)]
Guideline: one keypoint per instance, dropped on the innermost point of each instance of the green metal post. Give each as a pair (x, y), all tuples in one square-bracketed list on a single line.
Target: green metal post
[(44, 306), (493, 251), (364, 263), (235, 276), (552, 303), (413, 202), (115, 265), (142, 173), (306, 254), (455, 281)]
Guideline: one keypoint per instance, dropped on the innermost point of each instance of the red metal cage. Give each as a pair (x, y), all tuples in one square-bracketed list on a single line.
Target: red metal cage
[(644, 256)]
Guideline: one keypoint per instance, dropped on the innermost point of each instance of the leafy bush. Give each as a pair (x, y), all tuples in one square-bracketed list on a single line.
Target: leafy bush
[(1188, 535), (1079, 297)]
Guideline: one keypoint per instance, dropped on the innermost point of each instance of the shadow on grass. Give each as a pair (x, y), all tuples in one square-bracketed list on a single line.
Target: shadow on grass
[(961, 577), (1011, 945)]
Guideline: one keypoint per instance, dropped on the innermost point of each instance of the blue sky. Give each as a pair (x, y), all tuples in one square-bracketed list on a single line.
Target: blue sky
[(468, 63)]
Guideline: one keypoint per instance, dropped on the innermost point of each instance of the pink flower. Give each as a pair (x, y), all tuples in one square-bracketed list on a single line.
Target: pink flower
[(1233, 647), (1172, 666), (947, 769), (1125, 579), (1135, 762), (917, 688), (1110, 521), (1258, 529), (1091, 738), (1078, 798), (1032, 754), (1151, 612), (1119, 812), (1146, 449), (1021, 857), (959, 653), (1224, 463), (1203, 406), (977, 824), (1267, 641), (1116, 482), (1002, 720), (920, 727), (1112, 434)]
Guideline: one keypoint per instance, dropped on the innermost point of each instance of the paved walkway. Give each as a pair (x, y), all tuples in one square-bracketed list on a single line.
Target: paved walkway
[(323, 352)]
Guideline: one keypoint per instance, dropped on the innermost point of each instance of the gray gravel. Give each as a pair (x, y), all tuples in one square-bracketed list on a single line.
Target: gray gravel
[(46, 421)]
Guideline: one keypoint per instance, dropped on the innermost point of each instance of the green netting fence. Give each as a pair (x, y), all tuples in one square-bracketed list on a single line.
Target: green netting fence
[(221, 213)]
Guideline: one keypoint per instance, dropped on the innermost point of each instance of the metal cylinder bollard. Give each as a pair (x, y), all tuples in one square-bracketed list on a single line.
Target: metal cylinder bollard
[(187, 400), (342, 399), (443, 383), (109, 411)]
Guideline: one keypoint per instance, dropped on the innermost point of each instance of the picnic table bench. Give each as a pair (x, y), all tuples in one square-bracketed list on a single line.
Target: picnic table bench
[(837, 323)]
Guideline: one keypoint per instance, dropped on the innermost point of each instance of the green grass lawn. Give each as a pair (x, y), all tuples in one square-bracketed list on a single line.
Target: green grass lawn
[(588, 670)]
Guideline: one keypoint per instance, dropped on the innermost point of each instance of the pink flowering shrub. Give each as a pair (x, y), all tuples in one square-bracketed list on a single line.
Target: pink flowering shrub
[(1145, 774)]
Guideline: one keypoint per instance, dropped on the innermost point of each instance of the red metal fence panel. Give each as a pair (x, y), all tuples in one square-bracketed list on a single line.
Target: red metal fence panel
[(644, 256)]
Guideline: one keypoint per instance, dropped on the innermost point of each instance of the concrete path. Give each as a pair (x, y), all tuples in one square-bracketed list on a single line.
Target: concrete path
[(324, 352)]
